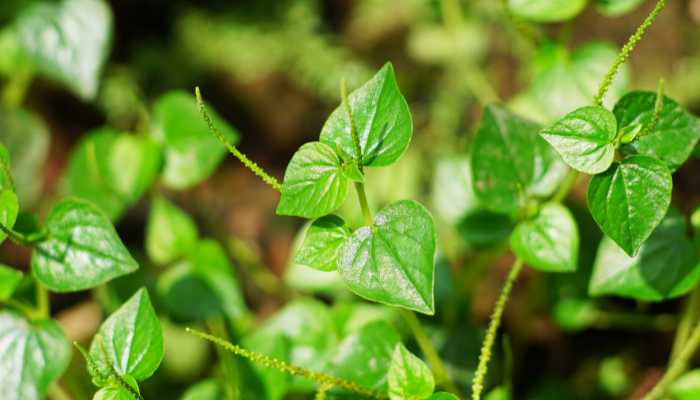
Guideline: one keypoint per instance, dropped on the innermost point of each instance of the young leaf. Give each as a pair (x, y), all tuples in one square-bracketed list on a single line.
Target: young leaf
[(409, 378), (382, 119), (170, 232), (68, 41), (34, 355), (393, 261), (130, 341), (665, 267), (9, 209), (630, 199), (116, 390), (584, 139), (443, 396), (209, 389), (672, 138), (322, 243), (9, 279), (191, 151), (546, 10), (314, 183), (82, 249), (549, 241)]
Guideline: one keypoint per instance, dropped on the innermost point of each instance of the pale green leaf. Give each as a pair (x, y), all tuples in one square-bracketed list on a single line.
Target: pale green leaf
[(170, 232), (322, 243), (409, 378)]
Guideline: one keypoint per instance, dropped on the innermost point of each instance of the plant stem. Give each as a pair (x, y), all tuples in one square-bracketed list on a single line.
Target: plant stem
[(677, 367), (247, 162), (626, 50), (366, 213), (566, 186), (43, 302), (429, 351), (56, 392), (686, 323), (19, 238), (494, 323)]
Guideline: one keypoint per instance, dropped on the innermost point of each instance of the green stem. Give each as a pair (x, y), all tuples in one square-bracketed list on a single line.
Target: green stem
[(494, 323), (429, 351), (686, 323), (566, 186), (677, 367), (627, 50), (43, 302), (56, 392), (366, 213), (247, 162), (22, 239), (24, 308)]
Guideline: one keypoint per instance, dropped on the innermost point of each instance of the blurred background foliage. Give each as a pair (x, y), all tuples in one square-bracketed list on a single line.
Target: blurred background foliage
[(271, 69)]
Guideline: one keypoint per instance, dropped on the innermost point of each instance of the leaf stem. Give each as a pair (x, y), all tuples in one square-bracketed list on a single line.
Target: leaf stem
[(56, 392), (22, 239), (686, 323), (494, 323), (366, 213), (626, 51), (247, 162), (43, 302), (566, 186), (320, 378), (429, 351)]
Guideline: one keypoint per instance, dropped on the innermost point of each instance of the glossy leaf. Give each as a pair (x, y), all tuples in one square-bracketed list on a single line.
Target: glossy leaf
[(630, 199), (82, 249), (9, 279), (546, 10), (616, 8), (393, 261), (130, 340), (170, 232), (314, 183), (665, 267), (191, 151), (549, 241), (409, 378), (674, 136), (382, 119), (115, 390), (322, 243), (34, 355), (9, 209), (584, 139), (68, 42)]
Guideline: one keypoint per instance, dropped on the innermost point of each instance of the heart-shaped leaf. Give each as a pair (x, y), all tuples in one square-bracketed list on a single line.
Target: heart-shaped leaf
[(382, 119), (546, 10), (549, 241), (409, 378), (9, 279), (665, 267), (673, 137), (68, 41), (314, 183), (82, 249), (630, 199), (130, 341), (170, 232), (584, 139), (34, 355), (393, 261), (9, 209), (322, 243)]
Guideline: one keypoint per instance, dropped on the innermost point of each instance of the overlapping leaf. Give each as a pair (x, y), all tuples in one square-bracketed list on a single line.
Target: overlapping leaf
[(409, 378), (322, 243)]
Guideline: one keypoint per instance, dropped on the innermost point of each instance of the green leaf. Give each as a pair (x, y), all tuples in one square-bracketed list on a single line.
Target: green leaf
[(27, 140), (275, 383), (687, 386), (498, 393), (665, 267), (393, 261), (130, 341), (574, 314), (630, 199), (674, 136), (134, 164), (546, 10), (452, 191), (483, 228), (170, 232), (192, 153), (382, 119), (584, 139), (68, 41), (409, 378), (509, 161), (322, 243), (34, 355), (549, 241), (82, 249), (314, 183), (9, 279), (116, 390), (443, 396), (209, 389), (365, 356), (616, 8), (9, 209)]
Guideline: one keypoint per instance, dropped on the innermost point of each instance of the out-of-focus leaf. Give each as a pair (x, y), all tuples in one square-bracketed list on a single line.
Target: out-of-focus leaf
[(546, 10), (409, 378), (9, 279), (616, 8), (687, 386), (322, 243), (170, 232), (208, 389), (9, 208)]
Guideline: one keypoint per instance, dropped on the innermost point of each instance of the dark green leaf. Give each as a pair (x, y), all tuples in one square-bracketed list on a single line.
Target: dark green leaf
[(191, 151), (9, 208), (584, 139), (549, 241), (82, 249), (68, 41), (674, 136), (393, 261), (9, 279), (546, 10), (130, 340), (322, 243), (665, 267), (382, 119), (616, 8), (630, 199), (314, 183), (34, 355), (170, 232), (409, 378), (483, 228)]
